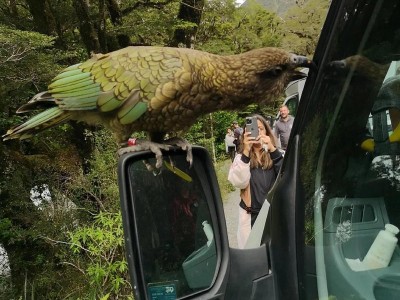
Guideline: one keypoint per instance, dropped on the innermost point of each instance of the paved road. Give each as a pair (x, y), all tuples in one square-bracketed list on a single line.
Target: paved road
[(231, 206)]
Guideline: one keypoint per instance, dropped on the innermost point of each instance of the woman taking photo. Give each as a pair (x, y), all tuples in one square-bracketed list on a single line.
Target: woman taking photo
[(254, 171)]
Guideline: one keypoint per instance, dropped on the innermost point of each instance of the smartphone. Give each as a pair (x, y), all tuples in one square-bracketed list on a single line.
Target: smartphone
[(252, 126)]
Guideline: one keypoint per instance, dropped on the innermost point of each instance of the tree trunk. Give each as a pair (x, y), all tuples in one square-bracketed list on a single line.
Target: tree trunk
[(102, 26), (12, 8), (86, 27), (115, 12), (84, 143), (42, 16), (189, 11)]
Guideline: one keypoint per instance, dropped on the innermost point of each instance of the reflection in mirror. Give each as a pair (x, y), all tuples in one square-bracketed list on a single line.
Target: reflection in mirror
[(174, 228)]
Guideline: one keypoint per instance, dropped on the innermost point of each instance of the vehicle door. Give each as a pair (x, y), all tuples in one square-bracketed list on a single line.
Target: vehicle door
[(340, 180)]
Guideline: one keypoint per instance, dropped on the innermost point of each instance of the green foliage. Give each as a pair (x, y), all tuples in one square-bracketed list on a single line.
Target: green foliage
[(303, 25), (24, 60), (97, 243), (227, 30), (209, 132), (101, 243), (257, 28), (28, 62), (11, 39), (214, 33), (38, 249), (150, 25)]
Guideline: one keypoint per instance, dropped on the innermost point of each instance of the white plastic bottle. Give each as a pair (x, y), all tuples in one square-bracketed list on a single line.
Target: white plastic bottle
[(209, 232), (381, 250)]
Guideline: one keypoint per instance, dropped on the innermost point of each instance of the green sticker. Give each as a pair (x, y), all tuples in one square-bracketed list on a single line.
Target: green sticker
[(162, 291)]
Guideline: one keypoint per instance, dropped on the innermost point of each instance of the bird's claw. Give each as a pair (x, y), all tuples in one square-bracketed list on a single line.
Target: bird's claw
[(184, 145), (147, 145), (127, 149), (157, 147)]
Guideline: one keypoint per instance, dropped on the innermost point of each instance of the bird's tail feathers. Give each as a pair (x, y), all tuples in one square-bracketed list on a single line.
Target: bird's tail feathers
[(40, 101), (44, 120)]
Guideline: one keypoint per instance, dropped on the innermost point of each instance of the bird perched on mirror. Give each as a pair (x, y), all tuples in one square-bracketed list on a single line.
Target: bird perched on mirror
[(158, 90)]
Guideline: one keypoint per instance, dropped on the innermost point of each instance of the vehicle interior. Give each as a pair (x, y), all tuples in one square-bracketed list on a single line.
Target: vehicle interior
[(350, 152)]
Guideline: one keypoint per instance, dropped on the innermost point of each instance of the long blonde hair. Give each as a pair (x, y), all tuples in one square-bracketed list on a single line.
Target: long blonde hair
[(266, 161)]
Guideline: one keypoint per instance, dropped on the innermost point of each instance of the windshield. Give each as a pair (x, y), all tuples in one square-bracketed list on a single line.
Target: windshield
[(350, 153)]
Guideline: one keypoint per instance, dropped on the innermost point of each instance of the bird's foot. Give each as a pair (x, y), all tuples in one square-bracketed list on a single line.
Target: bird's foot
[(184, 145), (141, 145)]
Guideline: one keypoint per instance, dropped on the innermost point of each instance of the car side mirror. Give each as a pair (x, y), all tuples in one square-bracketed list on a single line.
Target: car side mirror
[(172, 223)]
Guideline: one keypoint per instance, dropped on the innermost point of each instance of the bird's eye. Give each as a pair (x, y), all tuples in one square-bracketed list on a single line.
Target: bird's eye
[(274, 72)]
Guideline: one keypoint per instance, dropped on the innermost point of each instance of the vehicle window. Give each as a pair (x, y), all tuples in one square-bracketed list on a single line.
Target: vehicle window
[(292, 104), (173, 223), (350, 152)]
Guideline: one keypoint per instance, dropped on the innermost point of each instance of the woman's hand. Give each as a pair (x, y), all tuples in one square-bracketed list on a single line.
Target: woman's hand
[(248, 142), (266, 140)]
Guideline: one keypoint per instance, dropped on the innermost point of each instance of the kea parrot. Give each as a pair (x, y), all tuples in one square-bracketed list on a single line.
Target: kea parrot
[(159, 90)]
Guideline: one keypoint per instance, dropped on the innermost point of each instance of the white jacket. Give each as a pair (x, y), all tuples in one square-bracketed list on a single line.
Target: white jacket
[(239, 173)]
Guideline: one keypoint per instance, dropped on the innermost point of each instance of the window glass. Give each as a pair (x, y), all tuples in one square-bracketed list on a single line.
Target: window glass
[(350, 152), (292, 104), (174, 228)]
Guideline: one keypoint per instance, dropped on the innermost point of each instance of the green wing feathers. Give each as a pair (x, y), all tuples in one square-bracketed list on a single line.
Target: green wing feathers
[(123, 84), (130, 78), (44, 120)]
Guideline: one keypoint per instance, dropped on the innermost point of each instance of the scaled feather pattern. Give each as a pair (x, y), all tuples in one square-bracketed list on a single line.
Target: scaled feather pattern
[(158, 89)]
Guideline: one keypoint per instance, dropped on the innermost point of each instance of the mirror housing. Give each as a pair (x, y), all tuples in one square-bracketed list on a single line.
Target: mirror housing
[(174, 225)]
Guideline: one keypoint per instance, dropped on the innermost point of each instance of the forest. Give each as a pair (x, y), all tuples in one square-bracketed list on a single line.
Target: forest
[(60, 221)]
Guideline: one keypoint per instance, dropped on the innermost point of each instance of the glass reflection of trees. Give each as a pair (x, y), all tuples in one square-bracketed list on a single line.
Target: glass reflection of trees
[(169, 214)]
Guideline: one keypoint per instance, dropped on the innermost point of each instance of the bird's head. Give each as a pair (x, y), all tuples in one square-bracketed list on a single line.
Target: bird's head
[(263, 74), (361, 66)]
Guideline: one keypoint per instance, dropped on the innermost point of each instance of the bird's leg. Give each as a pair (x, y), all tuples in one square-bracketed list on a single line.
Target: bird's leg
[(140, 145), (184, 145)]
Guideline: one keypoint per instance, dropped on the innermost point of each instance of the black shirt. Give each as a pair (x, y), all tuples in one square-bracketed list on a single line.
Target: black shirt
[(261, 182)]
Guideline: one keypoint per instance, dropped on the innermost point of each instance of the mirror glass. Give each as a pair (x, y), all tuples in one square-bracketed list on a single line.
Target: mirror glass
[(174, 229)]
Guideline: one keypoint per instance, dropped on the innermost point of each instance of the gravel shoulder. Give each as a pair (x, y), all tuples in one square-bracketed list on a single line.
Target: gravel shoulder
[(231, 206)]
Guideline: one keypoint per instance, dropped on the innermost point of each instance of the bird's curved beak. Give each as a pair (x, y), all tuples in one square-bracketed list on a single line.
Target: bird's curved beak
[(301, 61), (305, 62)]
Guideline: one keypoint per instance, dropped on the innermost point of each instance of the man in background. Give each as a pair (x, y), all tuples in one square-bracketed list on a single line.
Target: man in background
[(283, 126)]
